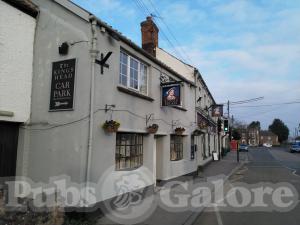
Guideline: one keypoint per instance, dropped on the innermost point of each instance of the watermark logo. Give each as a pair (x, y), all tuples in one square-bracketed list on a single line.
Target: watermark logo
[(128, 191), (127, 197), (134, 201), (230, 197)]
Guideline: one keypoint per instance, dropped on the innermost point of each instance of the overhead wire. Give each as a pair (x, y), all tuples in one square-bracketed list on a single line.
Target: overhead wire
[(267, 105), (142, 6), (169, 29)]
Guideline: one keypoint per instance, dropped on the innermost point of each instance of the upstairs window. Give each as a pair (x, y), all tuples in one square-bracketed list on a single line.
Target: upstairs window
[(133, 73)]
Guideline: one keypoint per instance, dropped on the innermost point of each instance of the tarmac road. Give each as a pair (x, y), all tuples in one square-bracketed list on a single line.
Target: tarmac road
[(265, 165)]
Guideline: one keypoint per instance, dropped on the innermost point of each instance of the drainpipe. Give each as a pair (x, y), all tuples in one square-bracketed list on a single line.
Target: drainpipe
[(195, 110), (94, 53)]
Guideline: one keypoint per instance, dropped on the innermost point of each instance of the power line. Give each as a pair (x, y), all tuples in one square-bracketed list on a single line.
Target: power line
[(143, 7), (139, 7), (267, 105), (168, 28), (246, 101), (242, 101)]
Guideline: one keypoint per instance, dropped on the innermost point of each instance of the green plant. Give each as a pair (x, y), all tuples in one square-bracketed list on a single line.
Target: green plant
[(152, 128), (111, 126), (179, 130)]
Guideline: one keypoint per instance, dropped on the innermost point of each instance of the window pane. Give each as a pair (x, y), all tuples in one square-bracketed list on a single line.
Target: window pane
[(133, 73), (122, 151), (143, 78), (176, 148), (123, 68)]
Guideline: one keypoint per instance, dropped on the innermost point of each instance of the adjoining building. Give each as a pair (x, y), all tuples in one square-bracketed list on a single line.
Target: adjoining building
[(92, 98), (17, 25)]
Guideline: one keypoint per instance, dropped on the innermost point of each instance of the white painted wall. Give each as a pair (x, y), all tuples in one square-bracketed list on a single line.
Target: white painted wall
[(16, 55), (177, 65)]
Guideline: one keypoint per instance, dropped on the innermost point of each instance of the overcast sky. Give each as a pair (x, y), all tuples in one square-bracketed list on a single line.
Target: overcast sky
[(243, 49)]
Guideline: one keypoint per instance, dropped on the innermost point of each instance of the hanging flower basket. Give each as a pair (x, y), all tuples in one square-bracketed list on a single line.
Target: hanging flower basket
[(152, 129), (179, 130), (111, 126), (202, 125)]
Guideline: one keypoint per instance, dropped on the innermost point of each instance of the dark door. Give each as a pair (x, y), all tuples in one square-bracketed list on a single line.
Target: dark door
[(8, 148)]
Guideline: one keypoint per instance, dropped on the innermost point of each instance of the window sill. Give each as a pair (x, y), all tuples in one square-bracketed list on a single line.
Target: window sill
[(176, 160), (129, 169), (179, 107), (134, 93)]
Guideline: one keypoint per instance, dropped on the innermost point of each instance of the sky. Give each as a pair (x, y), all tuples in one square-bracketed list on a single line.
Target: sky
[(243, 49)]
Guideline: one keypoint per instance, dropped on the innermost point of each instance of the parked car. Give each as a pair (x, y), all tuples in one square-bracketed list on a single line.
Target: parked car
[(267, 145), (243, 148), (295, 148)]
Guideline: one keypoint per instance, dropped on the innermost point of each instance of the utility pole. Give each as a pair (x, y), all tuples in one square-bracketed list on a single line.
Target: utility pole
[(231, 123), (228, 115)]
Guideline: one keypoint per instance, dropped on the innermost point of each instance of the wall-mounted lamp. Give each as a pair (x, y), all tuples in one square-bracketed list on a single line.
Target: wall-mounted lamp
[(63, 49)]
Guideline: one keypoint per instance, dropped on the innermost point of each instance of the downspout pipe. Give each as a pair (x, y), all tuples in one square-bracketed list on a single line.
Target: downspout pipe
[(93, 53)]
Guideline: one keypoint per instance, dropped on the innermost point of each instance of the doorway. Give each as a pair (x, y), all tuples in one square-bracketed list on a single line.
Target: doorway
[(159, 158), (9, 133)]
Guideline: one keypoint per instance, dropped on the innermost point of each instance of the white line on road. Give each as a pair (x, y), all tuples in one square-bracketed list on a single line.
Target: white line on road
[(218, 215), (293, 170)]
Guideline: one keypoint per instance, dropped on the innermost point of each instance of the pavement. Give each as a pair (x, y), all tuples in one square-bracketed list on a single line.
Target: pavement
[(224, 167), (272, 165)]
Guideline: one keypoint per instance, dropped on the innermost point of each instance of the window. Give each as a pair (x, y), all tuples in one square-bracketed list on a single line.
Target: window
[(133, 73), (176, 152), (129, 151)]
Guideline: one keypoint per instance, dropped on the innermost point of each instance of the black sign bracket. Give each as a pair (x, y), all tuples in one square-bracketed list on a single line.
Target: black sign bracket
[(102, 61), (162, 84)]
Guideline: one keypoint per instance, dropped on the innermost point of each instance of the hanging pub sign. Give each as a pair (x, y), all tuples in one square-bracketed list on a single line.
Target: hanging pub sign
[(171, 95), (62, 85), (202, 121), (217, 110)]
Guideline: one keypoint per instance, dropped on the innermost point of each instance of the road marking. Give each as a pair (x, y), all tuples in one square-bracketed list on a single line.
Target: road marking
[(218, 215), (294, 171)]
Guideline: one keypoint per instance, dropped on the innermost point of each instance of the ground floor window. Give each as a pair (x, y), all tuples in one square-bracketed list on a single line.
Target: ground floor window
[(176, 152), (129, 151)]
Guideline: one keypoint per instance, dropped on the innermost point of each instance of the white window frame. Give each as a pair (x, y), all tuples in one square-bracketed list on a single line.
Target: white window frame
[(129, 57)]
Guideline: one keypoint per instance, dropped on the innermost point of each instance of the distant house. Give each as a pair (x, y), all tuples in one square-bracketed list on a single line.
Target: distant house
[(253, 136), (244, 136), (267, 137)]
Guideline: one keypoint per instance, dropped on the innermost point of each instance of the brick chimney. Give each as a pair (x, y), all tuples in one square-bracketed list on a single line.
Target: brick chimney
[(149, 35)]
